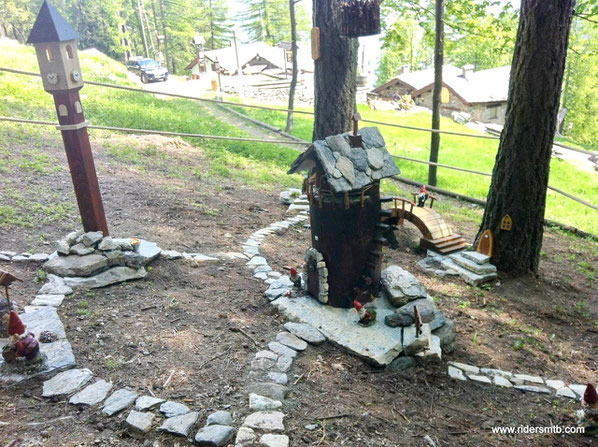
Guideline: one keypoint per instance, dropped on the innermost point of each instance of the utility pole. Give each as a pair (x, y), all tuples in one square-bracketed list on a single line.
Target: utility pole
[(236, 52), (149, 29), (142, 28), (164, 34), (55, 43)]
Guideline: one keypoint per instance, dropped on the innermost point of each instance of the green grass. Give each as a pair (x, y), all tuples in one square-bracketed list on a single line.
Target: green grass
[(471, 153)]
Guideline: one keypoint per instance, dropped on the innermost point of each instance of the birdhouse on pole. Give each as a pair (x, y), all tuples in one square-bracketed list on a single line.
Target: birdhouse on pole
[(55, 43)]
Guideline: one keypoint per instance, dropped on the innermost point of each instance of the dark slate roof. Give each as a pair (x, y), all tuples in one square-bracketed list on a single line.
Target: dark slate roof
[(50, 26), (348, 168)]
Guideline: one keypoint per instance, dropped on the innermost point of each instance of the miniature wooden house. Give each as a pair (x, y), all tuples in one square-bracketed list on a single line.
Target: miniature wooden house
[(55, 44), (343, 187)]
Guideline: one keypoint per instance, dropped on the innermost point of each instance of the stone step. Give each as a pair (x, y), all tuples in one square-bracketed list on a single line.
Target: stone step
[(480, 269), (477, 257), (466, 275)]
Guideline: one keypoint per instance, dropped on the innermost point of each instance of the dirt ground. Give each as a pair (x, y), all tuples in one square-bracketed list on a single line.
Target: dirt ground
[(181, 322)]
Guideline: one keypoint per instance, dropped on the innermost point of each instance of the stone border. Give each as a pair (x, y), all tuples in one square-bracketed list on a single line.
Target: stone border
[(312, 253), (522, 382)]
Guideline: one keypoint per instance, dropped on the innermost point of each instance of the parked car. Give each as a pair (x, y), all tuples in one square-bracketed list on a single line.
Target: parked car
[(148, 69)]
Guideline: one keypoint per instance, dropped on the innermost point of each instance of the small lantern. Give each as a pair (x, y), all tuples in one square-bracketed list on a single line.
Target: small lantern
[(359, 17), (55, 43)]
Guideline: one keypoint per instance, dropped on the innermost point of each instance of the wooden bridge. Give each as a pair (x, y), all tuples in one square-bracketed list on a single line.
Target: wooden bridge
[(437, 234)]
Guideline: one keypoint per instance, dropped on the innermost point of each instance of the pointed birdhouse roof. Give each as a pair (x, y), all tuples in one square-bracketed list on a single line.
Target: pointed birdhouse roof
[(50, 26), (347, 168)]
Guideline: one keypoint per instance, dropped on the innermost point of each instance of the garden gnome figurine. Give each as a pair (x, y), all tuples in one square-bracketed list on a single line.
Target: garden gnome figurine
[(588, 415), (20, 344), (367, 317), (295, 277), (422, 196)]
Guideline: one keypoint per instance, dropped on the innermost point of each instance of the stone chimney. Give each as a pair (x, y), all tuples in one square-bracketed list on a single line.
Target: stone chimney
[(403, 69), (467, 71)]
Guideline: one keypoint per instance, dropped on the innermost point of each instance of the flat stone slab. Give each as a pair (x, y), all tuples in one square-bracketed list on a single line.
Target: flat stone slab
[(92, 394), (147, 402), (292, 341), (306, 332), (281, 349), (58, 354), (469, 277), (112, 276), (148, 251), (48, 300), (245, 436), (270, 440), (66, 382), (214, 435), (272, 390), (472, 266), (262, 403), (140, 421), (76, 265), (220, 418), (265, 420), (279, 287), (477, 257), (401, 285), (118, 401), (171, 409), (378, 344), (55, 286), (180, 425)]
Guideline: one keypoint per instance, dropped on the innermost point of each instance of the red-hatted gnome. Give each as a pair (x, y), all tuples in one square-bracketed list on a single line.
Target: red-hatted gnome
[(367, 317), (422, 196), (295, 277), (20, 344), (588, 415)]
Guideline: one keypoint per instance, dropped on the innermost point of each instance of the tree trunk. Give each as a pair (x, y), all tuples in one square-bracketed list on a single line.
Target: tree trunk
[(335, 73), (289, 126), (437, 92), (520, 175)]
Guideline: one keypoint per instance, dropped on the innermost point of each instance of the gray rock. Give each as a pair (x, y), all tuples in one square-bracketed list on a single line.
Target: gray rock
[(402, 363), (555, 384), (147, 402), (337, 173), (501, 381), (412, 344), (291, 341), (287, 197), (533, 389), (338, 143), (456, 373), (214, 435), (10, 254), (39, 257), (261, 275), (278, 288), (375, 158), (72, 237), (220, 418), (345, 166), (271, 390), (262, 269), (472, 266), (401, 286), (4, 258), (66, 382), (90, 239), (124, 244), (171, 255), (469, 277), (255, 261), (578, 389), (478, 378), (566, 392), (270, 440), (76, 265), (55, 286), (360, 159), (446, 334), (115, 258), (277, 377), (245, 436), (92, 394), (48, 300), (478, 258), (171, 409), (140, 421), (63, 248), (325, 155), (111, 276), (371, 137), (281, 349), (433, 353), (469, 369), (284, 363), (118, 401), (81, 250), (20, 258), (108, 244), (262, 364), (438, 321), (306, 332), (266, 355), (399, 320), (180, 425), (261, 403), (265, 420)]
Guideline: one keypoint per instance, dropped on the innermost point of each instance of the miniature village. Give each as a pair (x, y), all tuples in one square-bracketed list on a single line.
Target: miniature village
[(344, 300)]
